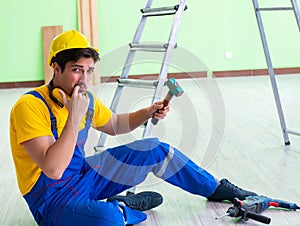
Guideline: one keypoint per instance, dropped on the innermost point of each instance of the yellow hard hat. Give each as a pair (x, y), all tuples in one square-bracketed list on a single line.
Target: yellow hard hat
[(68, 40)]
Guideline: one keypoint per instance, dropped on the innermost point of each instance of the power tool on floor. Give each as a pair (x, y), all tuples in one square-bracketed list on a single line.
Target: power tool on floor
[(252, 206)]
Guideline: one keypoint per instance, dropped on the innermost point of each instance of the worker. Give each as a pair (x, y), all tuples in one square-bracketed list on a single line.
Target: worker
[(48, 129)]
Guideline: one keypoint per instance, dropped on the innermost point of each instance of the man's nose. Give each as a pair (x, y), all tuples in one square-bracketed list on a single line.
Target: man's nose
[(83, 77)]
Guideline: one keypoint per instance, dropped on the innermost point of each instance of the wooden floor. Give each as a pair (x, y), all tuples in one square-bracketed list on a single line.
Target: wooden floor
[(229, 126)]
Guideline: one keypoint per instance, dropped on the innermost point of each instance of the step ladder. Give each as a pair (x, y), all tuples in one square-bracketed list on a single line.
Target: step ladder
[(137, 45), (258, 10)]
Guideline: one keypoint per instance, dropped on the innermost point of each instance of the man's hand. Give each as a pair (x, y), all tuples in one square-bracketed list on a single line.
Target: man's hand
[(77, 105), (158, 110)]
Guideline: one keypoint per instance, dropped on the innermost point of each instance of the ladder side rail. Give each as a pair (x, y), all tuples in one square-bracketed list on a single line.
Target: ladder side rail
[(113, 107), (126, 69), (296, 12), (169, 52), (119, 89), (136, 38), (166, 61), (271, 72), (148, 4), (130, 57), (171, 46)]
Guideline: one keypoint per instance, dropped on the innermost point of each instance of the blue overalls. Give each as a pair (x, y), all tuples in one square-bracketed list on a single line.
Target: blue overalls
[(75, 198)]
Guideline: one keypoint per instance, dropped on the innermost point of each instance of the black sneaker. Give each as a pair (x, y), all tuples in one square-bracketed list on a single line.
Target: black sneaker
[(141, 201), (228, 191)]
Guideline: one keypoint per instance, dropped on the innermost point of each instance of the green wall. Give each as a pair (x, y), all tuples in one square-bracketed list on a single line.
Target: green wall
[(21, 57), (209, 29)]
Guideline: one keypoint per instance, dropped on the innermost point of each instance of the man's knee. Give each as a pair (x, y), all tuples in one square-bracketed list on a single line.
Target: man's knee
[(146, 144)]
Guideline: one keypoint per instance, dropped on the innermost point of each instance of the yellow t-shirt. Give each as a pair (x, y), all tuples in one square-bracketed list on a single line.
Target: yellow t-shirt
[(30, 118)]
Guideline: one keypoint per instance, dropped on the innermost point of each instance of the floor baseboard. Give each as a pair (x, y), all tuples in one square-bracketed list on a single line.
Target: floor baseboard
[(180, 75)]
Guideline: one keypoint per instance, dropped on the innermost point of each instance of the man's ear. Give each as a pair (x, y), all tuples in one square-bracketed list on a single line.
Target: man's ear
[(56, 68)]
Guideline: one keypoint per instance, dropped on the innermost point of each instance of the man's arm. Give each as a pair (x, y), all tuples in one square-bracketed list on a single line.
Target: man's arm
[(53, 157), (125, 123)]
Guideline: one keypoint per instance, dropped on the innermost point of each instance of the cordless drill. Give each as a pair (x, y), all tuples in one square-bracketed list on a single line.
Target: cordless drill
[(252, 206)]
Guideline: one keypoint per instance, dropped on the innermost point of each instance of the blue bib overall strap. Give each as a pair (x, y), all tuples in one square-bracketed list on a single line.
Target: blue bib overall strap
[(52, 117), (90, 112)]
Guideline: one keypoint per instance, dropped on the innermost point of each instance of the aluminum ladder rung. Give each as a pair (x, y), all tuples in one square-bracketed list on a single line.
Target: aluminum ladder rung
[(293, 132), (150, 47), (160, 11), (137, 83), (274, 8)]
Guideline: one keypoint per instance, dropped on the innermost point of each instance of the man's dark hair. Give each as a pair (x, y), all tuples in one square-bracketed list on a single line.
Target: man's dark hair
[(73, 55)]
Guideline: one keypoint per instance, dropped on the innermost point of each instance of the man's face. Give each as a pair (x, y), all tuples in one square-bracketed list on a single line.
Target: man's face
[(75, 73)]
